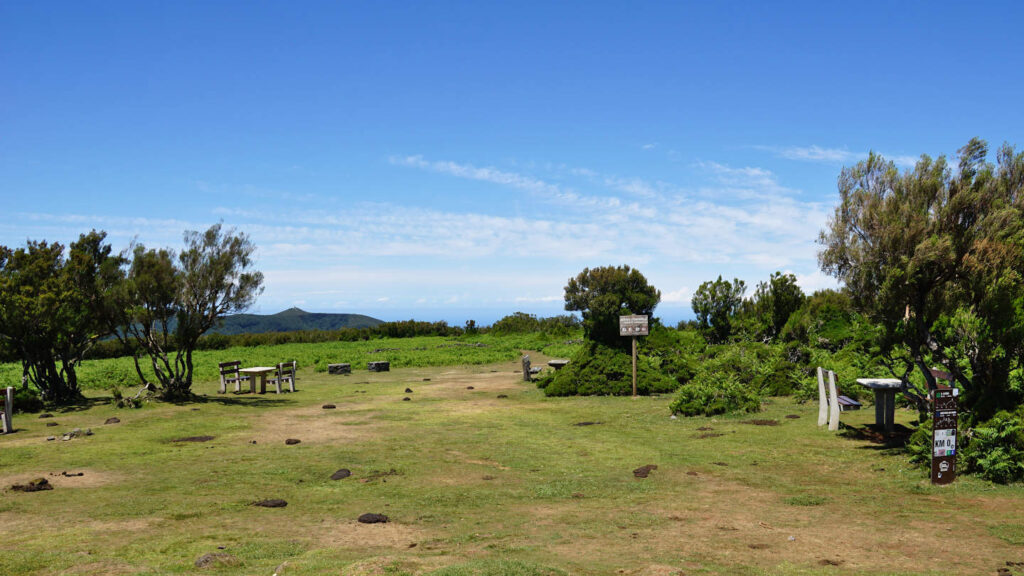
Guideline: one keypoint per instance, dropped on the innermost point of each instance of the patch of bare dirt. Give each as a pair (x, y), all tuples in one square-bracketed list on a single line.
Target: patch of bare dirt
[(645, 471), (79, 478), (762, 422)]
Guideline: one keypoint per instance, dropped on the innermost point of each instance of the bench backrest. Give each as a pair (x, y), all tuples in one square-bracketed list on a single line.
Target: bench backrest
[(286, 369), (229, 368)]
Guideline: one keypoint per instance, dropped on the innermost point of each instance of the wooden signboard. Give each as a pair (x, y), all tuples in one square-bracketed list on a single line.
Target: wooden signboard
[(633, 325), (944, 418)]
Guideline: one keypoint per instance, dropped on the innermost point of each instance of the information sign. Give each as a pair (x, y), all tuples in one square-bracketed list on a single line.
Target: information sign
[(633, 325), (944, 435)]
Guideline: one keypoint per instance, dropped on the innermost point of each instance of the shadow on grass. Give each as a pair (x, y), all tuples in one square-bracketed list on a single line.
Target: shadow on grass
[(248, 400), (878, 439)]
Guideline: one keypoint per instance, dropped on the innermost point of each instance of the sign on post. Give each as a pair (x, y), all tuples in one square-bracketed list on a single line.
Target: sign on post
[(633, 325), (944, 418)]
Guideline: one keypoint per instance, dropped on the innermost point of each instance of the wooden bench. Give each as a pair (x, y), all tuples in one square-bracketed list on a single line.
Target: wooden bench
[(229, 374), (285, 373), (6, 410)]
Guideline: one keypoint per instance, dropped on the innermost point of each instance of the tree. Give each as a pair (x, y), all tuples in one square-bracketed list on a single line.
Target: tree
[(54, 308), (936, 260), (715, 303), (773, 303), (603, 294), (168, 302)]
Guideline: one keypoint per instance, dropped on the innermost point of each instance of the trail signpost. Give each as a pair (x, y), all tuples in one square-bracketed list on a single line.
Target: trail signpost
[(633, 326), (944, 418)]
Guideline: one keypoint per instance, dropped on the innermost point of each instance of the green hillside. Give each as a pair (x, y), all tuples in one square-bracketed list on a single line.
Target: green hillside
[(291, 320)]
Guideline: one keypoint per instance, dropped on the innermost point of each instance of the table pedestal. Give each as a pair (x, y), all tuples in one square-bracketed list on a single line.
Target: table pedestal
[(885, 409)]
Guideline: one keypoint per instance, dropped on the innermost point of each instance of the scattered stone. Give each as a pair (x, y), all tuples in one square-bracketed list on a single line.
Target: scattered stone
[(412, 545), (292, 441), (252, 441), (76, 433), (48, 438), (335, 369), (379, 366), (370, 518), (489, 477), (705, 428), (830, 562), (577, 495), (762, 422), (406, 399), (271, 503), (692, 473), (792, 416), (67, 474), (46, 415), (329, 406), (720, 463), (426, 379), (196, 409), (502, 395), (216, 559), (37, 485), (341, 474), (792, 538), (586, 423), (113, 420), (644, 471), (194, 439), (673, 417), (408, 390), (469, 388), (49, 424), (707, 435)]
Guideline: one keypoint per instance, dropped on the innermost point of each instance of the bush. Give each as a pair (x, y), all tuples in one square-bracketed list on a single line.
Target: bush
[(598, 370), (996, 448), (712, 393), (27, 400)]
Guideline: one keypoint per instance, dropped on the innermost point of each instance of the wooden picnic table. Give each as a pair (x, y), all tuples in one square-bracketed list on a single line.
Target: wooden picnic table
[(885, 399), (260, 371)]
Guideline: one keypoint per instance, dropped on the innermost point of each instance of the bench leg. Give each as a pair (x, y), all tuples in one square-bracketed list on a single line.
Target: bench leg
[(223, 385)]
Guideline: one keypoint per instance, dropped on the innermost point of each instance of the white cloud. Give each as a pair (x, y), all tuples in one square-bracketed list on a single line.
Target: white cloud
[(814, 153), (533, 299), (681, 296)]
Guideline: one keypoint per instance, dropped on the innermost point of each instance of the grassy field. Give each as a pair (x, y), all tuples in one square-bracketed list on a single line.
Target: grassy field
[(401, 352), (474, 483)]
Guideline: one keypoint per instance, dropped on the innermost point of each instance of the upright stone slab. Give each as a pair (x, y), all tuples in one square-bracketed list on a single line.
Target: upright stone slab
[(526, 367), (379, 366), (339, 368), (6, 411)]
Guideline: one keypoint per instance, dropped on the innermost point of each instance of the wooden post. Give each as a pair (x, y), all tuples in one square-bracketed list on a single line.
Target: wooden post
[(822, 400), (634, 366)]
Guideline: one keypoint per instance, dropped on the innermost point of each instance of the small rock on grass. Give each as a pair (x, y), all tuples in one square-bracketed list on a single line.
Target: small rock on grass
[(502, 395), (792, 416), (49, 438), (271, 503), (52, 424), (114, 420), (644, 471), (469, 388), (216, 559), (408, 390), (329, 406), (373, 518), (292, 441), (341, 474), (46, 415), (37, 485), (406, 399)]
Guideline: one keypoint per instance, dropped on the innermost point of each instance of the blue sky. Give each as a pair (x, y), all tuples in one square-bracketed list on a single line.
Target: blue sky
[(463, 160)]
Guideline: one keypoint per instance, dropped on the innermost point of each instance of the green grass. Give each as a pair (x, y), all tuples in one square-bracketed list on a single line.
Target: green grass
[(401, 352), (481, 485)]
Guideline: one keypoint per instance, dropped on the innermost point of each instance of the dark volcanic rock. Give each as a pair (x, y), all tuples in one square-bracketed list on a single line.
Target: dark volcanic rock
[(37, 485), (373, 518), (52, 424), (271, 503), (216, 559), (292, 441), (586, 423), (469, 388), (644, 471), (502, 395), (341, 474), (329, 406), (406, 399), (792, 416), (762, 422), (46, 415), (112, 420), (408, 390)]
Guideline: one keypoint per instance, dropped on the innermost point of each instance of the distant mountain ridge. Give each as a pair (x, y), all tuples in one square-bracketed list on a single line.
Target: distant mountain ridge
[(291, 320)]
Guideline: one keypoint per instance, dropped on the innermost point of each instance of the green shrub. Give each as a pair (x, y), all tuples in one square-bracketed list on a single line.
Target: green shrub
[(27, 400), (712, 393), (598, 370), (996, 448)]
